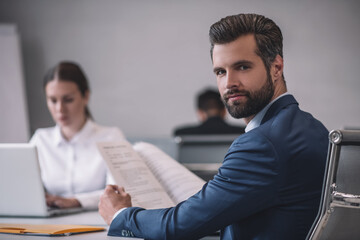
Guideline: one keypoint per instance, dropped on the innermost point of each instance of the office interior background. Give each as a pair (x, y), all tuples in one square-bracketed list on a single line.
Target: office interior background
[(146, 60)]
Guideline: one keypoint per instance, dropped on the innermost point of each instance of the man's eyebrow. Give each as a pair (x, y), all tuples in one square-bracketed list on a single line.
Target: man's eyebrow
[(241, 62)]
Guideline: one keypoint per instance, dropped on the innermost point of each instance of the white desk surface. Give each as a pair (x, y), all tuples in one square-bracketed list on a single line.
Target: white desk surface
[(85, 218)]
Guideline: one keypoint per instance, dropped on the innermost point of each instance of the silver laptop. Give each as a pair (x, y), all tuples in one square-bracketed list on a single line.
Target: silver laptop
[(21, 189)]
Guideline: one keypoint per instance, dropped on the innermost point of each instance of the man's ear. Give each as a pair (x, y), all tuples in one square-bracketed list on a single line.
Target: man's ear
[(277, 67), (223, 113)]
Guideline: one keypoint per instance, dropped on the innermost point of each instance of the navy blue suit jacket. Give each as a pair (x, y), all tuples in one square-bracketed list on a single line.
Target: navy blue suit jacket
[(268, 187)]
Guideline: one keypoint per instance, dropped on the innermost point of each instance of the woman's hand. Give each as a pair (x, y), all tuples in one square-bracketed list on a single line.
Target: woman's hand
[(61, 202)]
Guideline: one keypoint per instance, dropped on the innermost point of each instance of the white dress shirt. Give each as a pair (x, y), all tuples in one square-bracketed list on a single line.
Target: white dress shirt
[(75, 168)]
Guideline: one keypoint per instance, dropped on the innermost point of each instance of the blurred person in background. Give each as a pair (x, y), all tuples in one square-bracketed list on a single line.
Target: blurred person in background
[(73, 171), (211, 112)]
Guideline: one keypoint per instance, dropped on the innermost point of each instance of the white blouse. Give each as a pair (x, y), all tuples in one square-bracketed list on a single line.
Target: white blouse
[(75, 168)]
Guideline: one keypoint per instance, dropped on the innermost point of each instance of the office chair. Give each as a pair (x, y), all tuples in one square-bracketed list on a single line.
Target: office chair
[(203, 154), (166, 144), (339, 214)]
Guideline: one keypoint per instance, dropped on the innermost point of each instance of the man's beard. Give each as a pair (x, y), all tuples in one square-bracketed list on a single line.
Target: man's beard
[(256, 100)]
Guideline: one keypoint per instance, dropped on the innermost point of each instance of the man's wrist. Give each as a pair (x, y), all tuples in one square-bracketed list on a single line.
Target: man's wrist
[(117, 213)]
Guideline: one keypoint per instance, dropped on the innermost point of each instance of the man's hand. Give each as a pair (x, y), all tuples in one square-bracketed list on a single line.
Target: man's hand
[(61, 202), (112, 200)]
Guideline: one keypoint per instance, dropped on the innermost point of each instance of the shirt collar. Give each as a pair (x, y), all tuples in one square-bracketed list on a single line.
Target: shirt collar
[(256, 121), (80, 136), (58, 138)]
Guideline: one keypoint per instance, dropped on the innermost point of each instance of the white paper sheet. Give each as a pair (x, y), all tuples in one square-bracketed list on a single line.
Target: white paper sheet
[(132, 173)]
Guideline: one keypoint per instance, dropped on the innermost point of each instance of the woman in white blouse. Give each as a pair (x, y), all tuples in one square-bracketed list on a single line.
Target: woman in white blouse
[(73, 172)]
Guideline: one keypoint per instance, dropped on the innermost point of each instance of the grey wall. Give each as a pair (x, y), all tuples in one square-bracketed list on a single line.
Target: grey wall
[(14, 122), (147, 59)]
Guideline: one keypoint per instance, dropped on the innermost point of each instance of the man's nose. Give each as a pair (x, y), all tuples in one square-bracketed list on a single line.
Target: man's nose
[(232, 80)]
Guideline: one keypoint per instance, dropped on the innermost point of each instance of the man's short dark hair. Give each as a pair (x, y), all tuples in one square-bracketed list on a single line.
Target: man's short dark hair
[(268, 36), (209, 99)]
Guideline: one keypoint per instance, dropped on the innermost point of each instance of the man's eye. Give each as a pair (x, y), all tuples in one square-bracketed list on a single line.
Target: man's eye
[(220, 72), (243, 67)]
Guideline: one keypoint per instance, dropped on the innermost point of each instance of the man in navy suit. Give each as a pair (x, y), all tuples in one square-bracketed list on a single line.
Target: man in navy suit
[(269, 184)]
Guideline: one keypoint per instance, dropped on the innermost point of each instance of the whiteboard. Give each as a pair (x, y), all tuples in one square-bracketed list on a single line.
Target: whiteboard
[(14, 123)]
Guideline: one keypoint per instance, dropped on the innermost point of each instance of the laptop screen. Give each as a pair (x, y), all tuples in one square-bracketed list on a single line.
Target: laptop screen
[(22, 192)]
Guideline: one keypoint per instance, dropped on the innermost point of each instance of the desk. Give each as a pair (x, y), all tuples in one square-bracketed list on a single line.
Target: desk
[(84, 218)]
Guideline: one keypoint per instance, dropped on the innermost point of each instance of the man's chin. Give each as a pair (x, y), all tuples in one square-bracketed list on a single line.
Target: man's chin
[(236, 112)]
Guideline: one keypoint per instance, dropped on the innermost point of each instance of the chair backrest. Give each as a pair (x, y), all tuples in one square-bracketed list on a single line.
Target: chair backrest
[(203, 154), (339, 214), (166, 144)]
